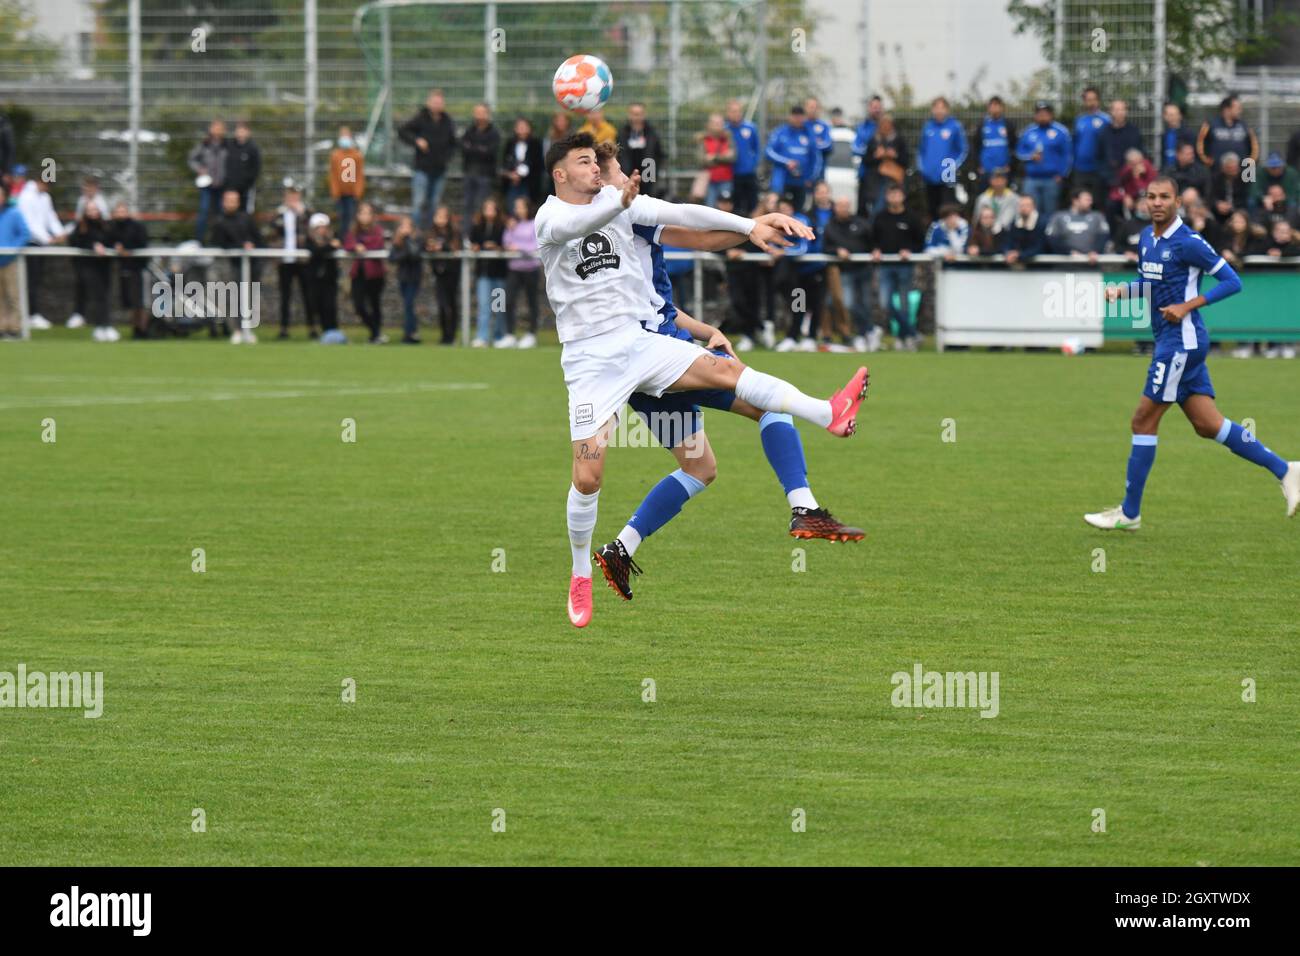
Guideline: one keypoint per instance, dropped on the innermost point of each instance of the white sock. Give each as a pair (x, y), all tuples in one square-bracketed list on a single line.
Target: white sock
[(773, 394), (582, 522), (801, 498), (631, 539)]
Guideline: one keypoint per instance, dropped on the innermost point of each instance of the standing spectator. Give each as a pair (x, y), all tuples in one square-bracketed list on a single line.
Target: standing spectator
[(235, 229), (744, 173), (244, 166), (481, 145), (939, 156), (847, 235), (601, 129), (641, 148), (794, 158), (886, 159), (207, 161), (868, 185), (561, 126), (1238, 239), (1089, 154), (1000, 199), (1276, 173), (1224, 134), (290, 231), (1174, 135), (1293, 151), (125, 235), (1187, 171), (8, 150), (1273, 206), (1028, 236), (521, 236), (1227, 191), (95, 272), (1282, 241), (718, 157), (347, 177), (406, 253), (1079, 230), (486, 234), (13, 235), (443, 237), (367, 274), (837, 118), (949, 234), (323, 272), (90, 196), (433, 134), (986, 238), (1045, 150), (90, 193), (37, 210), (896, 231), (521, 164), (744, 305), (833, 318), (821, 133), (793, 276), (993, 141), (1117, 140), (1198, 218)]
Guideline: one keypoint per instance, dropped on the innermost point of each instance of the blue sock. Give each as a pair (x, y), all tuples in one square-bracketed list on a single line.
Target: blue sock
[(1244, 443), (1140, 460), (784, 450), (660, 506)]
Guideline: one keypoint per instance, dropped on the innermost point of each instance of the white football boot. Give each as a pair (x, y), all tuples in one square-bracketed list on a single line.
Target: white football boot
[(1291, 487), (1114, 519)]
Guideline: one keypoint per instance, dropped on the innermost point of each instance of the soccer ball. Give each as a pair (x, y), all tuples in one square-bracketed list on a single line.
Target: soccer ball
[(582, 83)]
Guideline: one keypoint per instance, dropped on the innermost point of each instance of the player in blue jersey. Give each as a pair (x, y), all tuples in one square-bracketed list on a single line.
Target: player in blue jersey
[(675, 418), (1171, 262)]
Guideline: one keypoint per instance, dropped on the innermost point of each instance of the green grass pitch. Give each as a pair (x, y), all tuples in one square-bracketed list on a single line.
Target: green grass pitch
[(373, 561)]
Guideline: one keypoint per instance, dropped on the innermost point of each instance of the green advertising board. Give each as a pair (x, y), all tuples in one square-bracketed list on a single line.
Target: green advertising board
[(1267, 309)]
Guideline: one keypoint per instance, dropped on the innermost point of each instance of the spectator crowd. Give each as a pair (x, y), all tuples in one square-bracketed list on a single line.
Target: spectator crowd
[(987, 190)]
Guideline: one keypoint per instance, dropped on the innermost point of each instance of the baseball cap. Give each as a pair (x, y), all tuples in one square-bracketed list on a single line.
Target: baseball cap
[(1274, 161), (317, 220), (1043, 105)]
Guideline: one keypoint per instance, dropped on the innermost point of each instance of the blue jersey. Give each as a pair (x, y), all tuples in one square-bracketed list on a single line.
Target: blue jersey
[(1170, 267), (744, 135), (1087, 141), (995, 145), (651, 253), (1053, 142), (942, 149), (789, 143), (866, 130)]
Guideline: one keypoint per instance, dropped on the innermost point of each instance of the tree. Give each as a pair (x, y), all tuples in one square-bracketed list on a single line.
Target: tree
[(20, 44), (1103, 40)]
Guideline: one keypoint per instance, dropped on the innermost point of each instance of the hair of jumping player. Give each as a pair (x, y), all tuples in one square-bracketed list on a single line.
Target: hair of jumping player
[(606, 153), (563, 147)]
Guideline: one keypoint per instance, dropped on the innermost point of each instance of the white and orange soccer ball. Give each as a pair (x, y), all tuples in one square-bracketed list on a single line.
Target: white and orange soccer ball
[(582, 83)]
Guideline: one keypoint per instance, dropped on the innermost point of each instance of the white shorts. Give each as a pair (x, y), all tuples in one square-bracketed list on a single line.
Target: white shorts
[(603, 371)]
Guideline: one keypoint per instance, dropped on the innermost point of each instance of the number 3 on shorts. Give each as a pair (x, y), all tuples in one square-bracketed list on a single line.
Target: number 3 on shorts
[(1159, 377)]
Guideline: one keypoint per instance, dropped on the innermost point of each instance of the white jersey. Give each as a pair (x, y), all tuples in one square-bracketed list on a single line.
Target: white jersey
[(594, 277)]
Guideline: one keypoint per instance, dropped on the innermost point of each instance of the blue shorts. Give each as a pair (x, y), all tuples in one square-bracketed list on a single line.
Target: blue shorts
[(1177, 374), (675, 416)]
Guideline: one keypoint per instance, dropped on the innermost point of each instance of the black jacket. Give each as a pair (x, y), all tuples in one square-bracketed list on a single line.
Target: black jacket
[(322, 267), (480, 148), (8, 147), (533, 159), (439, 132), (635, 149), (132, 234), (1195, 176), (1028, 242), (231, 232), (1115, 142), (84, 236), (406, 255), (485, 232), (243, 164), (853, 234), (894, 232)]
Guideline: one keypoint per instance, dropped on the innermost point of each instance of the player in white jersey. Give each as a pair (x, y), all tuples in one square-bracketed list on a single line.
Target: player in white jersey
[(596, 287)]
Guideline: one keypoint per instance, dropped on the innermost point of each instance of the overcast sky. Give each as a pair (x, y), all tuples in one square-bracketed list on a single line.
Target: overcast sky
[(940, 44)]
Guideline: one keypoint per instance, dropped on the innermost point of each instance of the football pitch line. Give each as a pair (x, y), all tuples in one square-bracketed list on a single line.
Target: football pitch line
[(75, 401)]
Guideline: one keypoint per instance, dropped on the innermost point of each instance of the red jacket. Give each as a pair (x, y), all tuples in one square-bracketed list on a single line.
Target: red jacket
[(372, 238)]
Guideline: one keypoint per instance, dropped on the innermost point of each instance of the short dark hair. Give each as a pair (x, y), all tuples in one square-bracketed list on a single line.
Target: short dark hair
[(563, 147), (1090, 89), (996, 99), (1173, 183), (1078, 191), (949, 209), (606, 153), (1228, 101)]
